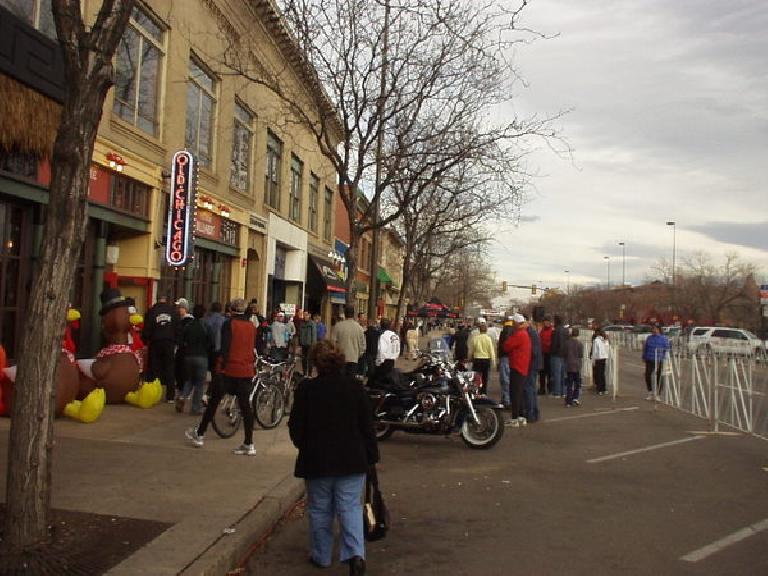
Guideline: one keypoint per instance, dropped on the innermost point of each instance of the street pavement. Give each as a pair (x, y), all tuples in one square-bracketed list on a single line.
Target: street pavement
[(534, 504), (616, 486)]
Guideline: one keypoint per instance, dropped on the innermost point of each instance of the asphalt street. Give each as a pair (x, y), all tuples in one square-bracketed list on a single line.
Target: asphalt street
[(616, 486)]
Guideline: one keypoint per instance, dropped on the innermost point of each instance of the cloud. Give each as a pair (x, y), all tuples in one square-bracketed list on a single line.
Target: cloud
[(748, 234)]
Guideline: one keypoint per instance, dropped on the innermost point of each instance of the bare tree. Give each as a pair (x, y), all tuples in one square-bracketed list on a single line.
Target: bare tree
[(408, 71), (88, 53)]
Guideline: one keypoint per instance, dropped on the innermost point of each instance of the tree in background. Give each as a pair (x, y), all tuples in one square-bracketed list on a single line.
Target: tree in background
[(391, 77), (88, 53)]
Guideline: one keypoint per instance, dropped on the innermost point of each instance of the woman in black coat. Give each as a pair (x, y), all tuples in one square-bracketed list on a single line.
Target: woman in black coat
[(332, 426)]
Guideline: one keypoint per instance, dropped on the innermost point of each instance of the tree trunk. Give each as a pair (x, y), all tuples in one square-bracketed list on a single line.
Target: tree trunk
[(404, 282), (88, 64), (351, 260)]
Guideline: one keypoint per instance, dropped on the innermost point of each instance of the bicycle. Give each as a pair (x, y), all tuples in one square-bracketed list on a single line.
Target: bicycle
[(227, 419), (273, 403)]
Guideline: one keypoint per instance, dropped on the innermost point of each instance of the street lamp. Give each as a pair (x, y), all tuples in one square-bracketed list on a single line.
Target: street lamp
[(623, 264), (674, 248), (608, 259)]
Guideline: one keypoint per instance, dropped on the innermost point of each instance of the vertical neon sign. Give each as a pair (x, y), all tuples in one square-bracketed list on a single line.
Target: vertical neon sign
[(180, 237)]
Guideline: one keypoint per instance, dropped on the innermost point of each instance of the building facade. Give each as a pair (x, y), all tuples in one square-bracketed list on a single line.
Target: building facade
[(265, 192)]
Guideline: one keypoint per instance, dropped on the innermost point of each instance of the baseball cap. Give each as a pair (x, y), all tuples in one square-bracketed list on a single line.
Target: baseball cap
[(182, 302), (518, 318)]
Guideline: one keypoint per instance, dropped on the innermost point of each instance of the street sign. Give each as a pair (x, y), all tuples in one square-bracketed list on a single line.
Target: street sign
[(763, 293)]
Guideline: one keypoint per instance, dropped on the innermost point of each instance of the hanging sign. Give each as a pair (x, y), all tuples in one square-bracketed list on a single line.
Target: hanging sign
[(180, 236)]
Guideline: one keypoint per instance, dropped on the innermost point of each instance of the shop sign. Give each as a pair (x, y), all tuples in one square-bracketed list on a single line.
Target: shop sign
[(180, 237), (257, 223), (208, 225)]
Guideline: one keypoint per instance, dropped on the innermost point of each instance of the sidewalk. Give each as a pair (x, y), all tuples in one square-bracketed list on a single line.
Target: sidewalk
[(136, 463)]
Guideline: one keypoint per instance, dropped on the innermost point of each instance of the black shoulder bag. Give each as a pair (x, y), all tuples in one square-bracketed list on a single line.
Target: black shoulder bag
[(375, 513)]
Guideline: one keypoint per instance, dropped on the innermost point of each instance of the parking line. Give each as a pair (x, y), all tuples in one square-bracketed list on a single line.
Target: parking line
[(646, 449), (729, 540), (591, 414)]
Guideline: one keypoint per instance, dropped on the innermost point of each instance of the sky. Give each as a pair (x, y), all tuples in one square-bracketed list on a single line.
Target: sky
[(668, 121)]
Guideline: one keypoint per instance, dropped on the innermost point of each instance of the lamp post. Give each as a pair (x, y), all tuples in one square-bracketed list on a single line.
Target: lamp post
[(623, 264), (608, 260), (674, 248)]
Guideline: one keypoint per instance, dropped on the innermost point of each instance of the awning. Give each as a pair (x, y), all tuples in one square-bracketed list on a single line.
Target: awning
[(383, 276), (327, 271)]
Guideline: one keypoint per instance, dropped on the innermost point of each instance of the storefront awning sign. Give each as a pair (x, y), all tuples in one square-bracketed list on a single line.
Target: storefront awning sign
[(180, 236)]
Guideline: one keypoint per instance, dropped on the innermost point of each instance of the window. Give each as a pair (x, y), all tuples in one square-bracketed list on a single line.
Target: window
[(272, 177), (129, 195), (297, 175), (327, 213), (137, 73), (201, 108), (37, 13), (314, 193), (242, 139)]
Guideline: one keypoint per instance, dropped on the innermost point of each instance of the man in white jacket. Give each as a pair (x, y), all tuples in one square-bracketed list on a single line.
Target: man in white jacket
[(389, 350)]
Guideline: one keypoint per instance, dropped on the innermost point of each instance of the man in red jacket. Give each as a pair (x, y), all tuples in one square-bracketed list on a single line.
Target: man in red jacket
[(518, 349), (235, 376), (545, 335)]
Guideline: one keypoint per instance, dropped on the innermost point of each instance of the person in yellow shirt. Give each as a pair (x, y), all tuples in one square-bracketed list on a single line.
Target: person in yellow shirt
[(482, 353)]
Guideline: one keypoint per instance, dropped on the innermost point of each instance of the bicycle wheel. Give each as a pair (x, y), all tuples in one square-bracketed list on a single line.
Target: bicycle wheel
[(226, 420), (295, 380), (268, 405)]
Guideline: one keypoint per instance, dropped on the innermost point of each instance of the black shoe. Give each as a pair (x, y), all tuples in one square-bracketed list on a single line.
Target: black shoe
[(356, 566)]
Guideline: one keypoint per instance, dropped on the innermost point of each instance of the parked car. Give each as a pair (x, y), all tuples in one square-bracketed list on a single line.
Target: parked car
[(723, 340), (642, 331), (617, 328)]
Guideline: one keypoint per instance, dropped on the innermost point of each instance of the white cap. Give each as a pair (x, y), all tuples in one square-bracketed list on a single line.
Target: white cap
[(518, 318), (481, 320)]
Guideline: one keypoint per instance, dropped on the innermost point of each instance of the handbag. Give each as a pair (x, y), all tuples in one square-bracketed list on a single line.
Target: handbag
[(375, 513)]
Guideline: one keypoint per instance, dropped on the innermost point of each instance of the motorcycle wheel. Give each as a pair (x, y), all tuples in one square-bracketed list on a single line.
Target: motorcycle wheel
[(383, 431), (486, 432)]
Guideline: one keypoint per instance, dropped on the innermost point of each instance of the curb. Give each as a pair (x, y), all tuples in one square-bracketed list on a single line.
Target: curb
[(230, 549)]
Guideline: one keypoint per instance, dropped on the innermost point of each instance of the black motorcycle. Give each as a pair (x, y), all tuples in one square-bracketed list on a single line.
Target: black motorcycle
[(440, 402)]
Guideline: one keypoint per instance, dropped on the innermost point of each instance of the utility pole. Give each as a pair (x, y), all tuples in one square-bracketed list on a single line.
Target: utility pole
[(373, 291)]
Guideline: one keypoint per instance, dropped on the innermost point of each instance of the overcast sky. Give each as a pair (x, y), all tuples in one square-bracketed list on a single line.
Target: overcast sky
[(669, 121)]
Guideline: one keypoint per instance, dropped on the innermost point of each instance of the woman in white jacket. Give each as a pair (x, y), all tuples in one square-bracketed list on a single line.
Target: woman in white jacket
[(600, 352)]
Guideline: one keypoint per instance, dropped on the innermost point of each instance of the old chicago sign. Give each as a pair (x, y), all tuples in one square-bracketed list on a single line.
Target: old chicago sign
[(180, 238)]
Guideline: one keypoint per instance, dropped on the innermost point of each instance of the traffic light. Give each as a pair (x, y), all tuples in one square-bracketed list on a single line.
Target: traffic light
[(504, 286), (533, 289)]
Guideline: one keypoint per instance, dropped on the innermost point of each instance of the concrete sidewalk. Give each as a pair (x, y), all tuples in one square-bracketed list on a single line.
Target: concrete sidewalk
[(136, 463)]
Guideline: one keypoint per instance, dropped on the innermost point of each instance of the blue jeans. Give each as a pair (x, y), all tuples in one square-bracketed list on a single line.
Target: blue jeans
[(195, 368), (504, 380), (573, 387), (557, 375), (531, 398), (330, 497)]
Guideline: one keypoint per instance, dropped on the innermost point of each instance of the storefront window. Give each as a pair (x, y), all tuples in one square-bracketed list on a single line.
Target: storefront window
[(129, 195), (201, 108), (15, 223), (242, 138), (19, 163), (37, 13), (272, 176), (137, 75), (327, 211), (314, 187), (297, 177)]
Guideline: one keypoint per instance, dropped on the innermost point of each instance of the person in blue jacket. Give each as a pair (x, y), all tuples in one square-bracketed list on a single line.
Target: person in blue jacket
[(654, 352)]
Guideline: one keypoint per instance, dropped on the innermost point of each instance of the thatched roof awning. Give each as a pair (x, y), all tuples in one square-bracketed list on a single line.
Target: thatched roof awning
[(28, 120)]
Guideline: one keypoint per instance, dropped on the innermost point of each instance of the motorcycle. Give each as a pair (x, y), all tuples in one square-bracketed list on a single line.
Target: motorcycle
[(443, 402)]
